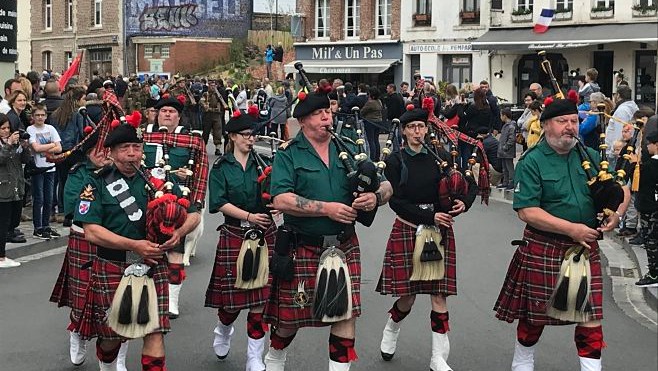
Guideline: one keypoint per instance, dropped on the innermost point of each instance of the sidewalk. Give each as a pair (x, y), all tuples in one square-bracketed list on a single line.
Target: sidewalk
[(35, 245)]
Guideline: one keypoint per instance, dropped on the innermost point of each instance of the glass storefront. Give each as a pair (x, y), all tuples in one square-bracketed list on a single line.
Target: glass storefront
[(645, 78)]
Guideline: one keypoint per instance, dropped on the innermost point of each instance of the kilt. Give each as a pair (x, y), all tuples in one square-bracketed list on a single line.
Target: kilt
[(281, 310), (104, 281), (532, 276), (221, 292), (71, 286), (398, 265)]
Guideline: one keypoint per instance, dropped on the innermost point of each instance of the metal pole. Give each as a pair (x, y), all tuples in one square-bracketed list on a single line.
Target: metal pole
[(276, 23)]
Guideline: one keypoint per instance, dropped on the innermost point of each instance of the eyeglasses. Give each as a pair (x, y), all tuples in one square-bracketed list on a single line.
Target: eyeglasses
[(415, 126), (247, 135)]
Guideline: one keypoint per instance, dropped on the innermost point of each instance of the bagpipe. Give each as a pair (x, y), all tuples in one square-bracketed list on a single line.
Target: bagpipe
[(546, 67), (264, 176), (134, 308), (622, 176)]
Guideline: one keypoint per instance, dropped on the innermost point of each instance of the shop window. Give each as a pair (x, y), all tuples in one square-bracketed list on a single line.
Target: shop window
[(97, 17), (645, 77), (47, 60), (529, 71), (48, 15), (101, 61), (457, 69), (352, 18), (322, 18), (384, 17), (423, 14), (470, 13), (68, 14)]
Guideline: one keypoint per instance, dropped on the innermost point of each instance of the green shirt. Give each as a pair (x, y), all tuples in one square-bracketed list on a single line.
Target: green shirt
[(75, 183), (229, 183), (556, 183), (299, 169)]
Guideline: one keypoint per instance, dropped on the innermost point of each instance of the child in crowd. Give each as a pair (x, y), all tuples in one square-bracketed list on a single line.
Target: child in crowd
[(617, 148), (647, 204), (507, 149)]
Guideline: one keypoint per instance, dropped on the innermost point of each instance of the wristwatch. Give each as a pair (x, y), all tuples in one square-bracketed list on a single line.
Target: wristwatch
[(380, 202)]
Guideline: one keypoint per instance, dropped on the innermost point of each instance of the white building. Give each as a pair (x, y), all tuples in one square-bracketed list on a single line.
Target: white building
[(612, 36), (437, 36), (24, 63)]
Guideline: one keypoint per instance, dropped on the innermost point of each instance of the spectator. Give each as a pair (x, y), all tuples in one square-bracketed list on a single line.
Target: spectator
[(491, 144), (507, 149), (394, 103), (53, 98), (362, 96), (591, 86), (69, 124), (95, 107), (404, 90), (581, 84), (623, 113), (278, 57), (26, 86), (496, 124), (11, 85), (522, 122), (43, 139), (12, 154), (647, 204), (454, 108), (589, 129), (120, 87), (268, 87), (96, 82), (538, 90), (269, 58), (241, 99), (372, 118), (477, 119), (279, 111), (35, 92), (534, 125), (349, 100), (18, 103)]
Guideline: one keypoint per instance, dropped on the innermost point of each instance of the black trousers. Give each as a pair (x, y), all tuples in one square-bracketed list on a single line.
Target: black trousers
[(10, 218)]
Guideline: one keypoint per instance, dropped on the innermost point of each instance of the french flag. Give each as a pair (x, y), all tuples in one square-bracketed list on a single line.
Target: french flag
[(544, 20)]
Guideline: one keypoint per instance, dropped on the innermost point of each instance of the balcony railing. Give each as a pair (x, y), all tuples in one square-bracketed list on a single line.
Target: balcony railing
[(640, 11), (422, 20), (470, 17)]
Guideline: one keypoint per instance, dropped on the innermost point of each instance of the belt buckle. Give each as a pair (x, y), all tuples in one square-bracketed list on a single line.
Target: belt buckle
[(330, 241), (245, 224)]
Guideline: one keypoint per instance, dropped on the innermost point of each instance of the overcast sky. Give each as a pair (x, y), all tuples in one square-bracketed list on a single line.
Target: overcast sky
[(262, 6)]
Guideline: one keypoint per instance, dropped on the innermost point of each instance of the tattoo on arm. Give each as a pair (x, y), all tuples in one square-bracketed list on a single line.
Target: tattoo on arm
[(305, 204)]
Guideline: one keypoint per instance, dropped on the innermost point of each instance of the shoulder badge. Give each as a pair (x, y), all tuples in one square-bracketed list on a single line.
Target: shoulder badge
[(286, 144), (87, 193), (75, 167), (218, 162), (102, 171)]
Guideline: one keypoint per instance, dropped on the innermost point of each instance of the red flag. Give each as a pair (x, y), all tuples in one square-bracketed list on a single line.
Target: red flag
[(73, 70)]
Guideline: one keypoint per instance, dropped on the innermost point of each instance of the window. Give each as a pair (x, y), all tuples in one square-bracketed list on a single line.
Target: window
[(68, 56), (384, 17), (156, 51), (604, 4), (164, 51), (423, 6), (98, 13), (471, 6), (322, 18), (524, 5), (564, 5), (470, 13), (48, 14), (496, 4), (352, 18), (46, 60), (68, 14), (645, 3)]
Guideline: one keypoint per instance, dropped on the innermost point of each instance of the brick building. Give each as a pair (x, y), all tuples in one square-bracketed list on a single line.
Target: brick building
[(355, 40)]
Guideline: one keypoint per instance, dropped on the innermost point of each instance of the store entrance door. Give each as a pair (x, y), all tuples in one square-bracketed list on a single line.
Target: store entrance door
[(603, 62)]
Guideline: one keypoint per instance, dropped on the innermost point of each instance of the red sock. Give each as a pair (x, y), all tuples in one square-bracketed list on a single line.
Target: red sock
[(176, 273), (341, 350), (589, 341), (256, 328), (396, 314), (440, 322), (278, 342), (227, 318), (150, 363), (106, 356), (527, 334)]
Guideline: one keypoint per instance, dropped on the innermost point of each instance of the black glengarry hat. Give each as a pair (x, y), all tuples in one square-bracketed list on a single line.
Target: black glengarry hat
[(560, 107), (311, 102), (238, 122), (170, 102), (416, 114), (123, 133)]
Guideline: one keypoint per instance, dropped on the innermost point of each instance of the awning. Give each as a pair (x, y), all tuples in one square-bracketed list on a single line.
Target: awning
[(343, 66), (566, 37)]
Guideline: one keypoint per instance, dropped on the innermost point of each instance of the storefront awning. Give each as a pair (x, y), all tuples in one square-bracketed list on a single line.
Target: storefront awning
[(566, 37), (343, 66)]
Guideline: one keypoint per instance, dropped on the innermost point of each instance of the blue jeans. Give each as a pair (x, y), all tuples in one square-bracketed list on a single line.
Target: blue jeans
[(43, 186), (372, 136)]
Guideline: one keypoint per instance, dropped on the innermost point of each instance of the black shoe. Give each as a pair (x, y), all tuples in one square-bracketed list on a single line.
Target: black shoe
[(17, 232), (637, 240), (627, 232), (53, 233), (647, 281), (14, 238), (41, 234)]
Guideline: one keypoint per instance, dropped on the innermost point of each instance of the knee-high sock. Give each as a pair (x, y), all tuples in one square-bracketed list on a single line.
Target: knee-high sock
[(227, 318), (106, 356), (256, 328), (396, 314), (176, 273), (589, 341), (527, 334), (341, 349), (440, 322), (278, 342), (150, 363)]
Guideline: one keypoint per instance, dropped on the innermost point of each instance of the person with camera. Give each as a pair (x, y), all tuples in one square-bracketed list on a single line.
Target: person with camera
[(18, 102), (13, 152), (43, 139)]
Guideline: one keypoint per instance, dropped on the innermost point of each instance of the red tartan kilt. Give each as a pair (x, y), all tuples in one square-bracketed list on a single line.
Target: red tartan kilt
[(71, 286), (281, 311), (398, 265), (221, 292), (105, 278), (532, 276)]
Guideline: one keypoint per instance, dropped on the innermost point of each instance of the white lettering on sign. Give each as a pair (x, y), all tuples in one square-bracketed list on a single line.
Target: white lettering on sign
[(557, 45), (347, 52), (438, 48), (335, 70)]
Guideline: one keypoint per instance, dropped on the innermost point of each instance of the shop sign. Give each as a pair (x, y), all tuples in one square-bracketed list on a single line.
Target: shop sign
[(8, 30), (439, 48), (349, 52), (541, 46)]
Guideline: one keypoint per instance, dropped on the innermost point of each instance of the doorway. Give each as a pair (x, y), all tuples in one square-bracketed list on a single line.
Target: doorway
[(603, 62)]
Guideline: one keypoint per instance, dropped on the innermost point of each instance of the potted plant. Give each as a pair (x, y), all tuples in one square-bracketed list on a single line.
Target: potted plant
[(522, 15), (563, 14), (422, 19), (640, 10), (599, 12)]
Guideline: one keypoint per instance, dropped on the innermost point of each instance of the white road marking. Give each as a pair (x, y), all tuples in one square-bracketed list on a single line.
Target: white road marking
[(41, 255)]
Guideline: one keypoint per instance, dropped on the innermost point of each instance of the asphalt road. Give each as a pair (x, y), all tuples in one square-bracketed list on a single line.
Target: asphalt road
[(33, 332)]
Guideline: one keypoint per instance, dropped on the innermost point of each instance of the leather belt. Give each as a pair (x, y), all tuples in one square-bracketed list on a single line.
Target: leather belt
[(550, 235), (324, 240)]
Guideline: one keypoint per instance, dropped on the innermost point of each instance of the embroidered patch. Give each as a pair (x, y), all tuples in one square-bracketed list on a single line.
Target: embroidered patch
[(88, 193), (518, 187), (158, 172), (84, 207)]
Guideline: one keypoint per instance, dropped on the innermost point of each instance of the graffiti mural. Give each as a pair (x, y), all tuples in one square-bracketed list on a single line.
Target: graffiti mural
[(198, 18)]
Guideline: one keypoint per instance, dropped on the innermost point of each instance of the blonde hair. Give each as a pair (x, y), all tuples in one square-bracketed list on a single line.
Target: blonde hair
[(26, 86)]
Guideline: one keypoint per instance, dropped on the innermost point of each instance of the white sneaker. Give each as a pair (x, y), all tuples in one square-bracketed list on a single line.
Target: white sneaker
[(108, 366), (524, 358), (222, 342), (255, 349), (77, 349), (9, 263), (275, 360), (121, 357), (174, 293), (335, 366), (389, 339), (440, 352), (590, 364)]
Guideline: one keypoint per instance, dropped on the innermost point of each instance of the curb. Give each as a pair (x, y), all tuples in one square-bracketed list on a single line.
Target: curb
[(638, 256), (34, 245)]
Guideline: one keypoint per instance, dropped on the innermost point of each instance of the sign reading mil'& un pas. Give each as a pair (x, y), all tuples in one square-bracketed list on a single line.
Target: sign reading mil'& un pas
[(8, 30)]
